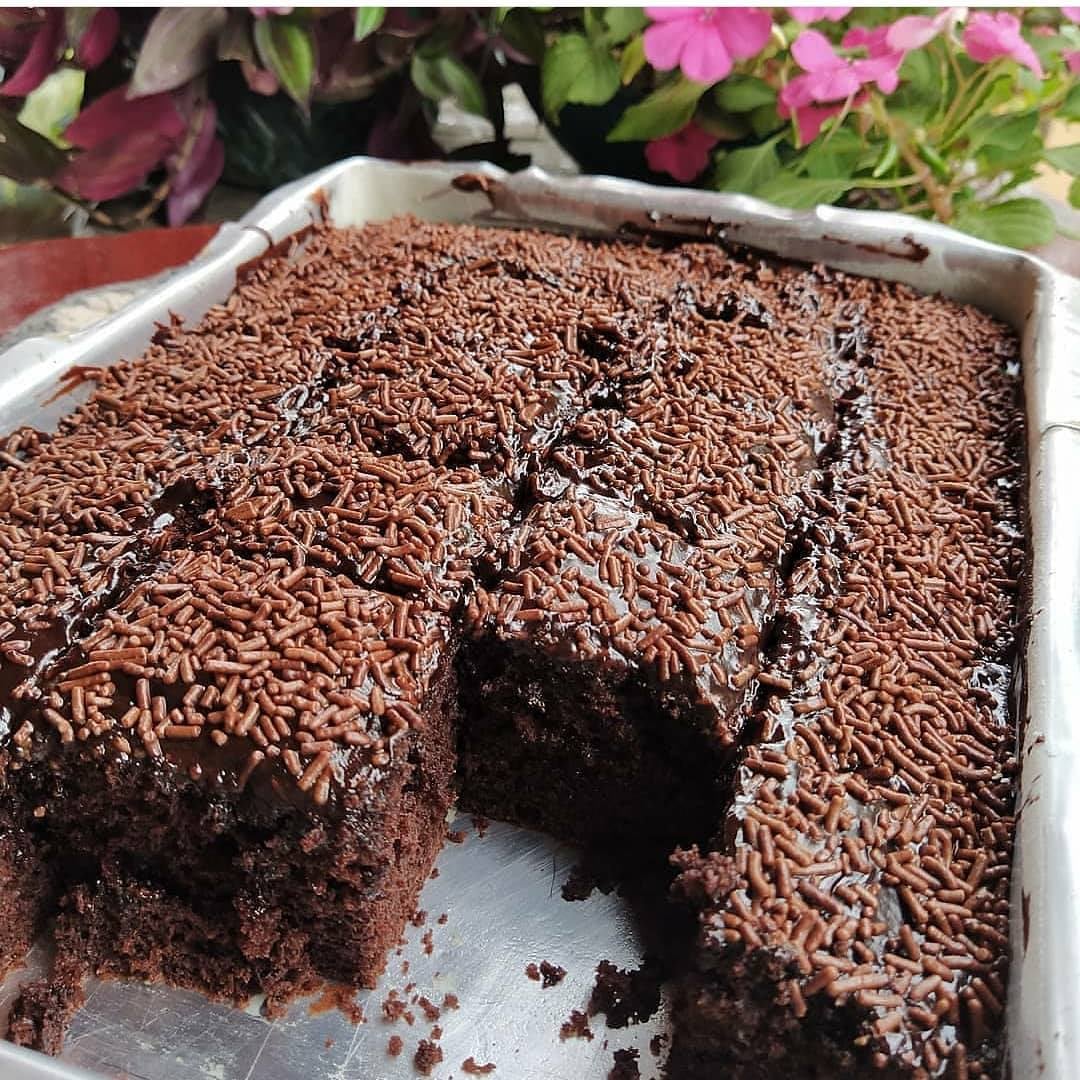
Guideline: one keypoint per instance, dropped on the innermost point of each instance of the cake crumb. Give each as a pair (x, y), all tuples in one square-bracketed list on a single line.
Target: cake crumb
[(470, 1066), (450, 1001), (393, 1008), (442, 919), (456, 837), (419, 917), (533, 972), (434, 872), (656, 1044), (625, 997), (577, 1027), (436, 1033), (626, 1066), (395, 1045), (427, 1056), (328, 1043), (481, 824), (404, 967), (429, 943), (552, 974), (431, 1010)]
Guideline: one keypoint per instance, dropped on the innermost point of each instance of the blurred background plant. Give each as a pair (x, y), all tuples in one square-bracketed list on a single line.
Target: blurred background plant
[(135, 115)]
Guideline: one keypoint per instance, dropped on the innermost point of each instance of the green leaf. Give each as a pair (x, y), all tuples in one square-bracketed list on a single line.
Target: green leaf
[(1070, 107), (743, 93), (1066, 158), (1074, 193), (834, 158), (576, 70), (621, 23), (368, 20), (664, 111), (801, 192), (25, 155), (632, 60), (746, 169), (1006, 132), (440, 77), (764, 120), (288, 50), (522, 29), (1019, 223), (1002, 159), (54, 104)]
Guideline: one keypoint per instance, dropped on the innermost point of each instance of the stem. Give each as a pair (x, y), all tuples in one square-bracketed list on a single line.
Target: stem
[(940, 197)]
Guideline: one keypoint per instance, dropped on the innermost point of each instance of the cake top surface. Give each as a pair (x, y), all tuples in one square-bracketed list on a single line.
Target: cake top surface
[(785, 499)]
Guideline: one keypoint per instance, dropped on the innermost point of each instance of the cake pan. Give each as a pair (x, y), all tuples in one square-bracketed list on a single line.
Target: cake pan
[(500, 888)]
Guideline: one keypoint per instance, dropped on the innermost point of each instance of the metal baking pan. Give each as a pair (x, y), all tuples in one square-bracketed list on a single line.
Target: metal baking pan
[(500, 891)]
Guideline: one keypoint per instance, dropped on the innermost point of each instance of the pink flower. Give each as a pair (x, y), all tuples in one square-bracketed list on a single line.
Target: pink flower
[(882, 64), (704, 42), (808, 15), (683, 155), (1072, 61), (262, 12), (1071, 13), (915, 31), (990, 36), (829, 77), (809, 119)]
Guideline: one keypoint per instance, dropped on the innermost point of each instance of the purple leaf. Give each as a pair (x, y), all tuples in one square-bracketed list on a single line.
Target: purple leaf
[(114, 114), (179, 45), (41, 58), (116, 166), (196, 180), (98, 38)]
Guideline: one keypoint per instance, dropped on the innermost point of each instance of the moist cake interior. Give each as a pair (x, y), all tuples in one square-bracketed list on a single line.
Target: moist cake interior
[(692, 556)]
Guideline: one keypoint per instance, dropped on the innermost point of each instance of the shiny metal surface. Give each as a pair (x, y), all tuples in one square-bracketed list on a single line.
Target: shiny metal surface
[(500, 893)]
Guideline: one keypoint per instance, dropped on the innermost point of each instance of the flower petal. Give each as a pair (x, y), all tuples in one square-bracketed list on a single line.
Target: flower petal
[(1024, 54), (664, 43), (912, 32), (744, 30), (684, 155), (884, 70), (813, 52), (810, 120), (797, 92), (705, 59), (814, 14)]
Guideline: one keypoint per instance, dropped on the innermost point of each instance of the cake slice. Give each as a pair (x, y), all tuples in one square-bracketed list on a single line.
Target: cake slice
[(854, 908), (238, 780)]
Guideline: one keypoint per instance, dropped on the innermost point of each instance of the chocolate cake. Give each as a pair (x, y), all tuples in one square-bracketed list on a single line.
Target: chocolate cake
[(676, 551)]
